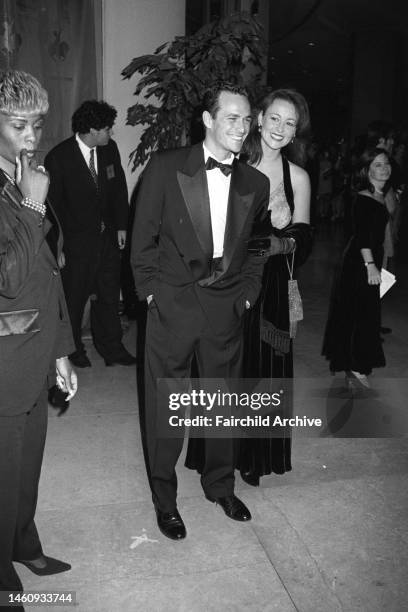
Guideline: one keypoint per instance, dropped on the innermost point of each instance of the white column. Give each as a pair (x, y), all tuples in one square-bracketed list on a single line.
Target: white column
[(132, 28)]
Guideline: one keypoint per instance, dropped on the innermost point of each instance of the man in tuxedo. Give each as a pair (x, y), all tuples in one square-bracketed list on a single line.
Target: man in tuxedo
[(195, 212), (88, 190)]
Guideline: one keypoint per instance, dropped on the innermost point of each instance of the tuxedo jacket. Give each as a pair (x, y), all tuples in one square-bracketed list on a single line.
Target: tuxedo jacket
[(80, 206), (172, 240), (34, 322)]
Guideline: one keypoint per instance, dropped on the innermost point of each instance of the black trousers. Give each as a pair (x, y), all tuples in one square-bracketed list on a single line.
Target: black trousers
[(97, 274), (22, 440), (168, 355)]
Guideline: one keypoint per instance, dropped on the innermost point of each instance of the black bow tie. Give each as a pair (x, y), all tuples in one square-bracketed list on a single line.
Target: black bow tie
[(213, 163)]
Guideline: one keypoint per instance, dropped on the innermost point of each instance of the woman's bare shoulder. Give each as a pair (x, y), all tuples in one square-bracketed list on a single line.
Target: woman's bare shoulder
[(298, 175)]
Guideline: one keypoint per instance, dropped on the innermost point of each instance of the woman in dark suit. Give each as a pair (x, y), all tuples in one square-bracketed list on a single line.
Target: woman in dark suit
[(35, 334)]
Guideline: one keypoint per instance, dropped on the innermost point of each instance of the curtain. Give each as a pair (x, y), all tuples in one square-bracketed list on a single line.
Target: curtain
[(55, 41)]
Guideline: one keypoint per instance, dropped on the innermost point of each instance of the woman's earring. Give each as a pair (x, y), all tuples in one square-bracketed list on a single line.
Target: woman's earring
[(259, 127)]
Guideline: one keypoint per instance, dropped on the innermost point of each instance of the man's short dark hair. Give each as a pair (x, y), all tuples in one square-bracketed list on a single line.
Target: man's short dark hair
[(211, 101), (95, 114)]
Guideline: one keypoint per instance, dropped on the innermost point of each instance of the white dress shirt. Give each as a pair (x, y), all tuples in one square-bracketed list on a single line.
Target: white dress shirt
[(218, 192), (86, 152)]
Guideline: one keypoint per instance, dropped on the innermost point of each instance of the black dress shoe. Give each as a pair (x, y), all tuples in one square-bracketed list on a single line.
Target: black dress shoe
[(125, 359), (250, 478), (233, 507), (57, 399), (385, 330), (53, 566), (80, 361), (171, 524)]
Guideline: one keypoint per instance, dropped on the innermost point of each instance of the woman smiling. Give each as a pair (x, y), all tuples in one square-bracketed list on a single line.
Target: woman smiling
[(352, 340)]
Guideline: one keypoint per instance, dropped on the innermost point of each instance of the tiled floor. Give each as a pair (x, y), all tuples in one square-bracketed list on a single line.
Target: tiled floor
[(329, 536)]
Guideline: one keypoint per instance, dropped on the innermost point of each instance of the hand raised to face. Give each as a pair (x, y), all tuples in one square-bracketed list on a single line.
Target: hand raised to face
[(32, 180)]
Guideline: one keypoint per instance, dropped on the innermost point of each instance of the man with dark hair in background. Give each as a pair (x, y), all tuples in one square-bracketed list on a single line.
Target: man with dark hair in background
[(88, 189), (196, 210)]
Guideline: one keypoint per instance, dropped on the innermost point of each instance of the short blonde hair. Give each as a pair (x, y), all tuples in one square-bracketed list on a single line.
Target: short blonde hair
[(20, 91)]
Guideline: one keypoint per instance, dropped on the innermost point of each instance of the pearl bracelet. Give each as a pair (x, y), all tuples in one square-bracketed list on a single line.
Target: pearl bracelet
[(34, 205)]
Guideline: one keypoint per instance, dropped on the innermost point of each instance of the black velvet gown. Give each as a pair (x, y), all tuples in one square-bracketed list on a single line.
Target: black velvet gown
[(352, 337), (267, 349)]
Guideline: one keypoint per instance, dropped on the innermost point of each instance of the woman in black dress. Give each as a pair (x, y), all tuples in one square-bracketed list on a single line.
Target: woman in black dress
[(277, 137), (280, 125), (352, 341)]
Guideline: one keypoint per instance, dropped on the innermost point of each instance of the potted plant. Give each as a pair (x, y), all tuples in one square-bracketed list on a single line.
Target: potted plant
[(178, 73)]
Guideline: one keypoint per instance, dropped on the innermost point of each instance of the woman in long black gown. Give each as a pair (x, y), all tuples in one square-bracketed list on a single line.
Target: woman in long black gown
[(282, 121), (352, 341)]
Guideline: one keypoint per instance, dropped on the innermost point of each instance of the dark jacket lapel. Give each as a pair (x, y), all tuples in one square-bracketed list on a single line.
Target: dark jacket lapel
[(192, 180), (14, 195), (239, 205), (11, 190)]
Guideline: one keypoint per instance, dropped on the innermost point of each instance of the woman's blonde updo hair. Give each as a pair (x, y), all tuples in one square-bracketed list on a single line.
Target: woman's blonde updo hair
[(21, 92)]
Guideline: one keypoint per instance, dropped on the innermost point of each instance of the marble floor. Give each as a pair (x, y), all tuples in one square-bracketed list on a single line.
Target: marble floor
[(329, 536)]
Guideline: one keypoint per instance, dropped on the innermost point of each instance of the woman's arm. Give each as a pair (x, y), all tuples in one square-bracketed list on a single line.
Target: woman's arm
[(301, 193), (391, 201), (373, 273)]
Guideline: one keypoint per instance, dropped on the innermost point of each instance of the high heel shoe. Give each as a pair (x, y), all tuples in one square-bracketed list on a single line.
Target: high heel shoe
[(356, 381), (250, 478)]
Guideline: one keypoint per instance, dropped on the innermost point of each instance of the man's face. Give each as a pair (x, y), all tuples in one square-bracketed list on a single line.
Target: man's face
[(102, 136), (226, 132), (20, 130)]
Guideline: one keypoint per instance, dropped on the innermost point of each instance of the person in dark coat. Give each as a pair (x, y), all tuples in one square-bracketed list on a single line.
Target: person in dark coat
[(196, 209), (88, 190), (35, 332)]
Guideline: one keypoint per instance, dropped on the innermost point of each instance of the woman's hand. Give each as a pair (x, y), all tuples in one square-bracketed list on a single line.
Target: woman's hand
[(373, 274), (33, 181)]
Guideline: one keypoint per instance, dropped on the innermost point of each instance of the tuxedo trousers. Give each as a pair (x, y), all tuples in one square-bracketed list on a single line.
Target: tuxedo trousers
[(95, 272), (169, 355), (22, 440)]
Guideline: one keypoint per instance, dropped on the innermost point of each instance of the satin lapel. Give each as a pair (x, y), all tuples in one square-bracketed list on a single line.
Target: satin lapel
[(239, 205), (193, 184)]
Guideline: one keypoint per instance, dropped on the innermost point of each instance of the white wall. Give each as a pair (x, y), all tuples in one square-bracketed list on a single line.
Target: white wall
[(132, 28)]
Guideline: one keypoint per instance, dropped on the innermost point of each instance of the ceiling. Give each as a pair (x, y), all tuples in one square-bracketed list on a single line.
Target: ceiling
[(311, 41)]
